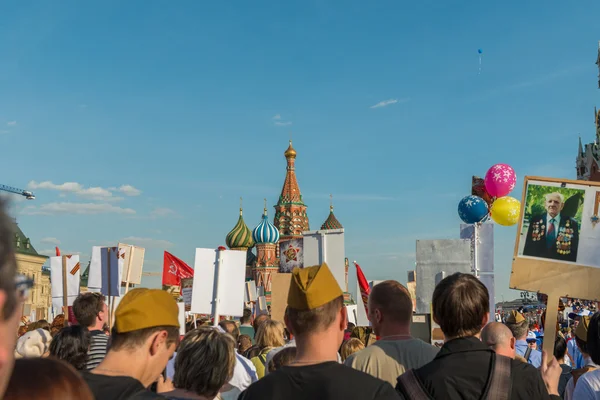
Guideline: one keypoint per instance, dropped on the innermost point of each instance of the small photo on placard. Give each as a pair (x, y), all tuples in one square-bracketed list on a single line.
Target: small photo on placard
[(552, 221)]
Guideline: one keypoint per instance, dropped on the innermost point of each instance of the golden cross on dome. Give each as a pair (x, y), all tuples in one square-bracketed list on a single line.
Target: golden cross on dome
[(331, 202), (241, 205), (265, 206)]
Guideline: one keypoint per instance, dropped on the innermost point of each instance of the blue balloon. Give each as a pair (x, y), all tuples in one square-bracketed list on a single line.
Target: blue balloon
[(473, 209), (480, 51)]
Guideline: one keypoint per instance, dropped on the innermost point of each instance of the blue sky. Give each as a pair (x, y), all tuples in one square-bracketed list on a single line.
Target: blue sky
[(192, 105)]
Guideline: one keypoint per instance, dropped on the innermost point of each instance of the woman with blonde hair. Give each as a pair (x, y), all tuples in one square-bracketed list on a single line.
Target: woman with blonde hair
[(350, 347), (270, 335)]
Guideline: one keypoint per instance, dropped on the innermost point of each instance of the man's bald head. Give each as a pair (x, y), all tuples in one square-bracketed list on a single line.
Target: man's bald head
[(499, 338)]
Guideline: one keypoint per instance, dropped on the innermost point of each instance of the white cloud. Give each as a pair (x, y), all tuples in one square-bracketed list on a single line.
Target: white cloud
[(147, 242), (11, 123), (161, 212), (92, 193), (277, 116), (282, 123), (50, 240), (388, 102), (76, 208), (129, 190)]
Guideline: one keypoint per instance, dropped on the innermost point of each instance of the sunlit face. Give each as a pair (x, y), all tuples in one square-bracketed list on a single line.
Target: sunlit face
[(532, 345), (554, 205)]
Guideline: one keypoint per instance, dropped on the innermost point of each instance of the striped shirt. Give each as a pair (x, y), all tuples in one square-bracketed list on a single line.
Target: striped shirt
[(98, 348)]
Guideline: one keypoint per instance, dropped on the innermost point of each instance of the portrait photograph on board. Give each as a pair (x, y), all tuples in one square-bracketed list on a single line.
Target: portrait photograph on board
[(552, 221)]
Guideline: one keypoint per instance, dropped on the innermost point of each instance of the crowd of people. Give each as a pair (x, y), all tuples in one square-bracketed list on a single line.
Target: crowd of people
[(313, 354)]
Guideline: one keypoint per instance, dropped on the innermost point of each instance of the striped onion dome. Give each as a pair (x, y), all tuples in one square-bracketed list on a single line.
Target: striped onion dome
[(240, 236), (331, 222), (265, 232)]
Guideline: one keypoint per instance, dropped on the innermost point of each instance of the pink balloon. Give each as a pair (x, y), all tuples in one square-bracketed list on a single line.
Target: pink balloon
[(500, 180)]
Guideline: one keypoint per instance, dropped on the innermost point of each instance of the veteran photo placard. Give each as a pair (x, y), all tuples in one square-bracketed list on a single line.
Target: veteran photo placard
[(559, 223)]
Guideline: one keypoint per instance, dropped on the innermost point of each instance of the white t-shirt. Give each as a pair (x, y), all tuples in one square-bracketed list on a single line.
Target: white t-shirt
[(588, 386)]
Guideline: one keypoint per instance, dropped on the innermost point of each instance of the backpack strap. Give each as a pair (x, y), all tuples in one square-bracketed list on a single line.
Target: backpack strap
[(263, 359), (528, 353), (499, 384), (410, 386)]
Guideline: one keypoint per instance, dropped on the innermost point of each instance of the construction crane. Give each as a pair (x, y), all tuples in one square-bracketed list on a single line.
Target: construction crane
[(25, 193)]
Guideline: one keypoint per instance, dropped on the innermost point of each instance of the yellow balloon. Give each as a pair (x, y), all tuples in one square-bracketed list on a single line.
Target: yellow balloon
[(506, 211)]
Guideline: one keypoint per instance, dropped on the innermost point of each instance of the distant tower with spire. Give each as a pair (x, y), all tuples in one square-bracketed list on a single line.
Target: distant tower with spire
[(240, 238), (588, 156), (332, 223), (290, 212), (266, 236)]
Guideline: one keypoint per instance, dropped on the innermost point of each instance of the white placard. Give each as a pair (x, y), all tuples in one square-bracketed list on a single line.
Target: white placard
[(419, 319), (137, 263), (232, 275), (352, 313), (260, 291), (250, 292), (262, 305), (181, 318), (326, 247), (56, 278)]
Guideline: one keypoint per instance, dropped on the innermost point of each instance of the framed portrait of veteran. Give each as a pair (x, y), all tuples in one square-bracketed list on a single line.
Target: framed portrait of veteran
[(557, 249)]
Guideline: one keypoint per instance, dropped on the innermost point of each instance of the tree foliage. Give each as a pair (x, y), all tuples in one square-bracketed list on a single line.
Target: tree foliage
[(535, 201)]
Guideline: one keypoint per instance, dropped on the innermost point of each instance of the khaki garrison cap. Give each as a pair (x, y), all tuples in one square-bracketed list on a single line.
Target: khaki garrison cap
[(312, 287)]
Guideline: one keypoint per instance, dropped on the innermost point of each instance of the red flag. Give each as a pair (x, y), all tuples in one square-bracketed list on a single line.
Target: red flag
[(57, 252), (174, 270), (363, 286)]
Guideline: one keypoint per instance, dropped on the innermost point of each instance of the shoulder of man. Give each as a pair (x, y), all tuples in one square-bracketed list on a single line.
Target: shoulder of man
[(146, 395)]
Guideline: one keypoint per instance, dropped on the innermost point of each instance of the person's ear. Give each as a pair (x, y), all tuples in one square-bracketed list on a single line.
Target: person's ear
[(157, 340), (286, 321), (343, 318), (378, 315), (486, 319), (513, 343)]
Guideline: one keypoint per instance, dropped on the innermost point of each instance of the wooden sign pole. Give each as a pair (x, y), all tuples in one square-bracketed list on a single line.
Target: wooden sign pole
[(129, 269), (216, 294), (110, 300), (65, 289), (550, 323)]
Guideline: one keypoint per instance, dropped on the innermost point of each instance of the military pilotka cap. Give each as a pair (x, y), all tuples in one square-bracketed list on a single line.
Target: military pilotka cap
[(146, 308), (515, 317), (312, 287), (582, 328)]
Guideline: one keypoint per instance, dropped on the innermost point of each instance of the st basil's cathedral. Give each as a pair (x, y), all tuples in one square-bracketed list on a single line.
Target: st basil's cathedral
[(289, 222)]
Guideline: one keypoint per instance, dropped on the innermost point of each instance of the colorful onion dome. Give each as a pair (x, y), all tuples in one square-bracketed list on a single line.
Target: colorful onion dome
[(240, 236), (331, 222), (290, 152), (265, 232)]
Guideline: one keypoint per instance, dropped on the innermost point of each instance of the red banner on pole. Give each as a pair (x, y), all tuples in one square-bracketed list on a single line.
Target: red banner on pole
[(363, 286), (174, 270)]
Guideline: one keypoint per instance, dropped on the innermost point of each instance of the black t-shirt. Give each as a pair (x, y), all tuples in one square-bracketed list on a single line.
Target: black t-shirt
[(324, 381), (105, 387)]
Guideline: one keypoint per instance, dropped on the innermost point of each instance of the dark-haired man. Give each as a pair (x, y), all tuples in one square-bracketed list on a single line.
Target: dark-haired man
[(246, 324), (144, 337), (466, 368), (91, 312), (13, 292), (317, 318)]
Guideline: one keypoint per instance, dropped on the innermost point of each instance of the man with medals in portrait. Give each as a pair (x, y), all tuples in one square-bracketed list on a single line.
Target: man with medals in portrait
[(552, 235)]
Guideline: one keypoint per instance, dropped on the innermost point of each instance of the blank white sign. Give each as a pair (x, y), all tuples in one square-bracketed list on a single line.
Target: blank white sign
[(232, 277)]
